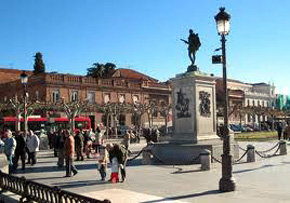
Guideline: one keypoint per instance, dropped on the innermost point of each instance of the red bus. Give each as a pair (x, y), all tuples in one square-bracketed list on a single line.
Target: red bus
[(37, 123)]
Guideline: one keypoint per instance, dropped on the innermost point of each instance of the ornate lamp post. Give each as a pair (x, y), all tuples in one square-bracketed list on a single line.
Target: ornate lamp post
[(227, 182), (24, 80)]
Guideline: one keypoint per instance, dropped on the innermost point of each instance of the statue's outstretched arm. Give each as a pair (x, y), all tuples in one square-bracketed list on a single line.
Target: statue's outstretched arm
[(184, 41)]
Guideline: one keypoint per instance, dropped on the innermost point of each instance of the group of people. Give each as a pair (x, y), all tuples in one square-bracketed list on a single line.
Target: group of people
[(284, 130), (74, 146), (17, 146), (70, 147)]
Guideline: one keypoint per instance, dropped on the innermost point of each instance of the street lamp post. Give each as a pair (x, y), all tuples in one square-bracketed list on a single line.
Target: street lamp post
[(24, 80), (227, 182)]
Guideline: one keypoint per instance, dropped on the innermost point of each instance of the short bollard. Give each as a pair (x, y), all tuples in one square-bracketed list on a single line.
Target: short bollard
[(251, 153), (146, 158), (205, 160), (283, 147)]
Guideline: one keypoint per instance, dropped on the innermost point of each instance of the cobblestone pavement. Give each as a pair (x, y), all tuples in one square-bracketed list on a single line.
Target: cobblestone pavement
[(266, 180)]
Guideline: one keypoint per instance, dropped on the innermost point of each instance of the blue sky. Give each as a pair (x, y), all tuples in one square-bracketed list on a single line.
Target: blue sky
[(144, 35)]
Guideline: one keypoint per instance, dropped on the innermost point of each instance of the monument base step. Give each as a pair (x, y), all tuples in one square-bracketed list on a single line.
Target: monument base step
[(188, 153)]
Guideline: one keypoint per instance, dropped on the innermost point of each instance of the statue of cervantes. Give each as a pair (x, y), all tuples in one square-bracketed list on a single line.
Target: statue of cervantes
[(193, 45)]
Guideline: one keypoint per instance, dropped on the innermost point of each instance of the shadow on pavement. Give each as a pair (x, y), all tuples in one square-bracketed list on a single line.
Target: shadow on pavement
[(47, 178), (180, 171), (44, 169), (73, 184), (210, 192), (254, 169)]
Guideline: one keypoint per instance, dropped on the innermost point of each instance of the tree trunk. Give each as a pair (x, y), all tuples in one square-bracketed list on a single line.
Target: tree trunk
[(149, 120), (166, 125), (107, 126), (17, 124), (72, 123), (259, 120)]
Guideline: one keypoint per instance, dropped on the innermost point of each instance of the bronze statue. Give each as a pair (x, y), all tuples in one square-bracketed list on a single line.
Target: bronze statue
[(193, 45)]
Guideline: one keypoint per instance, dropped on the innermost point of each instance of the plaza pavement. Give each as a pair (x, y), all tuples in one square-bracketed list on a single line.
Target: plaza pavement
[(266, 180)]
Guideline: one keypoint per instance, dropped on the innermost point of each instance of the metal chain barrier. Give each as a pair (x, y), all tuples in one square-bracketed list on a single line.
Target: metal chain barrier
[(136, 156), (236, 161), (158, 159), (269, 149), (242, 148), (262, 155), (215, 159)]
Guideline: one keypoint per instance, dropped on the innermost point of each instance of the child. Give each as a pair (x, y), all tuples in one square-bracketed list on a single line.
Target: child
[(103, 161)]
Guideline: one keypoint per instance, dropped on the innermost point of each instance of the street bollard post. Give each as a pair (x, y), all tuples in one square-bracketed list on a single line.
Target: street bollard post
[(283, 147), (205, 160), (251, 153)]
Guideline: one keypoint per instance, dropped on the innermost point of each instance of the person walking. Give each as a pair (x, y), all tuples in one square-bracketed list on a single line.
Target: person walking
[(20, 150), (9, 148), (127, 139), (287, 131), (279, 130), (103, 161), (69, 150), (59, 147), (99, 140), (79, 146), (32, 143), (88, 143)]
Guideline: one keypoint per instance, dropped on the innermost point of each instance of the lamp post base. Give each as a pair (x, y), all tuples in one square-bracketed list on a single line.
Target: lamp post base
[(227, 184)]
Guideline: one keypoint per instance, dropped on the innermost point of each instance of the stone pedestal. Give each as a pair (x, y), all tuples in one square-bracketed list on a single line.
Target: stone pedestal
[(194, 108), (194, 121)]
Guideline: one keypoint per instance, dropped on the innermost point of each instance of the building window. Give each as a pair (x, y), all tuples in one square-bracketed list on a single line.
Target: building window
[(259, 103), (107, 98), (74, 96), (136, 99), (253, 102), (263, 103), (122, 98), (55, 96), (91, 97), (248, 102), (36, 95)]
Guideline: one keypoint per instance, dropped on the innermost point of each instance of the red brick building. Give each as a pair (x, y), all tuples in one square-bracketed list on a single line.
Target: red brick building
[(125, 85)]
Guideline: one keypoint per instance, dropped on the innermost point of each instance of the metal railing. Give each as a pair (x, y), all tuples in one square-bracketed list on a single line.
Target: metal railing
[(33, 191)]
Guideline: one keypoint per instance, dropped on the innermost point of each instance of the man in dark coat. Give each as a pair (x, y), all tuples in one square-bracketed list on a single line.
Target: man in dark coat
[(279, 130), (79, 145), (20, 150)]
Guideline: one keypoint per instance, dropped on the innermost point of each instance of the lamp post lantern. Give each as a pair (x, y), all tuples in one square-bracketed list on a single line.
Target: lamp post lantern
[(24, 80), (227, 182)]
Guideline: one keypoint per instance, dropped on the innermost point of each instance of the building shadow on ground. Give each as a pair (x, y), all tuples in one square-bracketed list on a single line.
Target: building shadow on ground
[(74, 184), (253, 169), (44, 169), (210, 192)]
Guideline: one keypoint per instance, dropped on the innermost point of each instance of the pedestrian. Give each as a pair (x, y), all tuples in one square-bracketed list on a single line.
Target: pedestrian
[(32, 143), (127, 139), (9, 148), (119, 152), (99, 140), (79, 146), (287, 131), (20, 150), (59, 147), (88, 143), (279, 130), (103, 161), (69, 150)]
